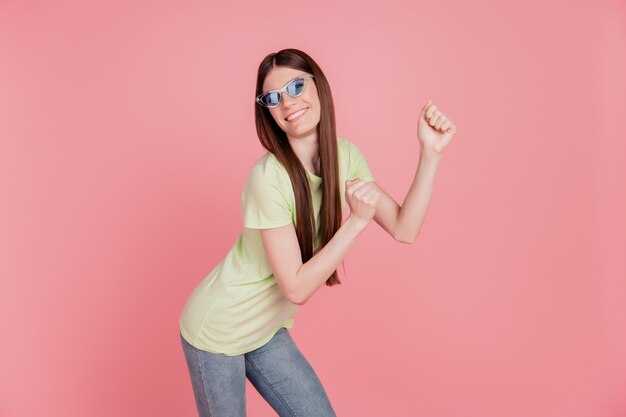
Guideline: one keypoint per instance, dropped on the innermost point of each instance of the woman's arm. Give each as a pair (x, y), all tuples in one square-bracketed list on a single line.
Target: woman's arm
[(404, 222), (434, 131), (298, 281)]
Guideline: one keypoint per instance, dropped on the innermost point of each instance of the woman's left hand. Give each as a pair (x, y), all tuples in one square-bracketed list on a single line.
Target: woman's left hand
[(434, 129)]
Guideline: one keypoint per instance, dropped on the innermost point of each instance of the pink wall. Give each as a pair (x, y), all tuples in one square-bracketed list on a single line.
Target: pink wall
[(126, 133)]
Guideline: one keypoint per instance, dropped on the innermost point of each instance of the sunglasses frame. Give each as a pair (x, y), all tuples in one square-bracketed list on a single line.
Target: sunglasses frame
[(283, 90)]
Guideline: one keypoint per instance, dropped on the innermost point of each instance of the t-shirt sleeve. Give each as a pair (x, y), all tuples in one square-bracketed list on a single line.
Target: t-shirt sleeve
[(263, 203), (358, 165)]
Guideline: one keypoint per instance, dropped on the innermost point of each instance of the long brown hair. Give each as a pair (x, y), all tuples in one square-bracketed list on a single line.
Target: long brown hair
[(274, 139)]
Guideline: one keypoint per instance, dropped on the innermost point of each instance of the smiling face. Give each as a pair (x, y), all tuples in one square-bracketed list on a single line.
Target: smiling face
[(304, 125)]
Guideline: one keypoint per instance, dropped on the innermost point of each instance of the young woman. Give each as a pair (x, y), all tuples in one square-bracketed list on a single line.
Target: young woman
[(235, 323)]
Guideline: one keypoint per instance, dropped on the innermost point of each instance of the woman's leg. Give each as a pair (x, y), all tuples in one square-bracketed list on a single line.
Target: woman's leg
[(218, 381), (286, 380)]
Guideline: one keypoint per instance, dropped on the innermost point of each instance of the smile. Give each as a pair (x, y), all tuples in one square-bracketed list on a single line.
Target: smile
[(297, 115)]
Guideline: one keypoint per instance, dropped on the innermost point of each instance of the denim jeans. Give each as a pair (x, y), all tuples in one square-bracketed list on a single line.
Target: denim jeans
[(278, 371)]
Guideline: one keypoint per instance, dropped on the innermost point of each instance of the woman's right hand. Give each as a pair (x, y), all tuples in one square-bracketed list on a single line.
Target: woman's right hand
[(362, 197)]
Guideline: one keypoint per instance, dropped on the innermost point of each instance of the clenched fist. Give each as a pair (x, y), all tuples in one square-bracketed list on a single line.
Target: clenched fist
[(362, 197), (434, 129)]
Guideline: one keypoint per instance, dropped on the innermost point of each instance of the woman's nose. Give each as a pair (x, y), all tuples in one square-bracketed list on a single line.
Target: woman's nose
[(288, 101)]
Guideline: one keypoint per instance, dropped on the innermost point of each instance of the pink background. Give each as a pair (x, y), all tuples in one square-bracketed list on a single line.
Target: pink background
[(126, 134)]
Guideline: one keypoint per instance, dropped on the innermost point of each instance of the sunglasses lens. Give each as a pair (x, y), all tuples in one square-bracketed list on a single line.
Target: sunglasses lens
[(271, 99), (295, 87)]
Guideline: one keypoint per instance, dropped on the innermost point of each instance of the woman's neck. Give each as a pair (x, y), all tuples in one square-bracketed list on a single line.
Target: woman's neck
[(306, 149)]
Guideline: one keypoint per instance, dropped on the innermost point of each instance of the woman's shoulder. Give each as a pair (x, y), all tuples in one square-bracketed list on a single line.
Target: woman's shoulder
[(346, 148), (345, 144), (342, 142), (267, 169)]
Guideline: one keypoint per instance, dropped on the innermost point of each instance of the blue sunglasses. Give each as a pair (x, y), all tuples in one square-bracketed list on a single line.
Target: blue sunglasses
[(293, 88)]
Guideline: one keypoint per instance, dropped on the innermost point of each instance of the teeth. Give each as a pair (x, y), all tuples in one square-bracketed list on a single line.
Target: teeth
[(293, 116)]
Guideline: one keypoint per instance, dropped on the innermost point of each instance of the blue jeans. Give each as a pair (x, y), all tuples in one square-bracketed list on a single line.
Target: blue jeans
[(278, 371)]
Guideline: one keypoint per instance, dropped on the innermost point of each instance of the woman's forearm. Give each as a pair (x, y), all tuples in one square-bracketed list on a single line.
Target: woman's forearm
[(314, 273), (415, 205)]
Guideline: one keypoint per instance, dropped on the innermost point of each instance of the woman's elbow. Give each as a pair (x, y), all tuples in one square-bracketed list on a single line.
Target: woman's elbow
[(297, 300), (407, 239), (294, 297)]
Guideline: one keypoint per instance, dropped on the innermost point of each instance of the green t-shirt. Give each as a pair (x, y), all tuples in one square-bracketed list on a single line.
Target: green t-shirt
[(238, 306)]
